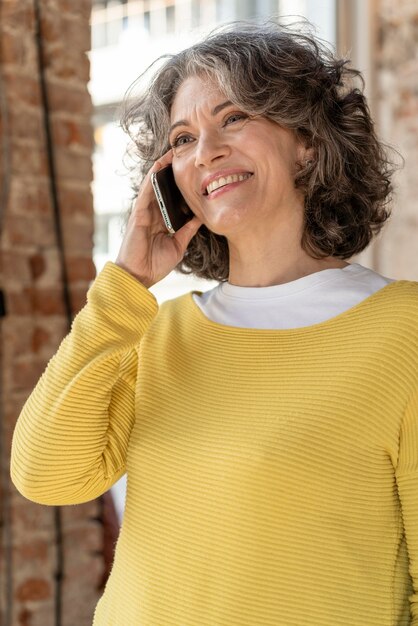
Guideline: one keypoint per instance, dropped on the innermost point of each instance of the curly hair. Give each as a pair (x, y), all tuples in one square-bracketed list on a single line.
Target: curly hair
[(290, 76)]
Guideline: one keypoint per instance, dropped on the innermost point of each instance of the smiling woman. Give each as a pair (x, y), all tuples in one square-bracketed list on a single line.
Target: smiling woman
[(246, 92), (269, 426)]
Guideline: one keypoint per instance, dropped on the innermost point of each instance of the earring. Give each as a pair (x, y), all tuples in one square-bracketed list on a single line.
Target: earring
[(308, 162)]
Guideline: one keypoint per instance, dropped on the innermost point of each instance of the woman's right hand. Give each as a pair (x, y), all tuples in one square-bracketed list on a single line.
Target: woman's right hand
[(148, 251)]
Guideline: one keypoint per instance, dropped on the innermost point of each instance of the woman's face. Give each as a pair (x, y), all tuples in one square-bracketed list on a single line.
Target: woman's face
[(236, 172)]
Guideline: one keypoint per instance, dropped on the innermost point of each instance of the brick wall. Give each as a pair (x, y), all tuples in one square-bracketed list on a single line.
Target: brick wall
[(31, 280), (396, 80)]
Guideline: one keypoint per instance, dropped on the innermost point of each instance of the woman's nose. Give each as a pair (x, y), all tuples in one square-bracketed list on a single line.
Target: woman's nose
[(210, 147)]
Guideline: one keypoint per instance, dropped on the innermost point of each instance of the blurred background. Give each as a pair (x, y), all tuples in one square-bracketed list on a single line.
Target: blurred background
[(65, 66)]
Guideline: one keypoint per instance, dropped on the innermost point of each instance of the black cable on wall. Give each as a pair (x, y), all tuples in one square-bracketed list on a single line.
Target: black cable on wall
[(59, 569)]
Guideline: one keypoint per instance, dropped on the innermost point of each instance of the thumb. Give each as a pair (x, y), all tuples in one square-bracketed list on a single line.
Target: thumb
[(186, 232)]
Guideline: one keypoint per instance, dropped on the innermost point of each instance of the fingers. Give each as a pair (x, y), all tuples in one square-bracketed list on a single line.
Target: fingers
[(164, 160), (160, 163), (145, 190), (187, 232)]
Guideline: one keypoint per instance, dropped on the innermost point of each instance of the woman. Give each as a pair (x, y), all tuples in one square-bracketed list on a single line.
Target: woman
[(269, 426)]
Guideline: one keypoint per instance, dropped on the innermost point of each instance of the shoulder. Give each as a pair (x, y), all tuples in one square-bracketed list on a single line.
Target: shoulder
[(400, 300), (173, 314), (398, 303), (403, 291), (176, 305)]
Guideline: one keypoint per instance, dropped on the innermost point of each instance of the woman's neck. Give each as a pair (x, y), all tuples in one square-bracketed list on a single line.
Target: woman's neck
[(264, 270)]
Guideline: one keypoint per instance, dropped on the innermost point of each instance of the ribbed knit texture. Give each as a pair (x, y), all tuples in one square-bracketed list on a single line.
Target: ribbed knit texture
[(272, 474)]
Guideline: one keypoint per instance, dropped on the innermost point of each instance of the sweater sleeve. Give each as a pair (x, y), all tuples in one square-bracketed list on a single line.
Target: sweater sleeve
[(407, 481), (70, 440)]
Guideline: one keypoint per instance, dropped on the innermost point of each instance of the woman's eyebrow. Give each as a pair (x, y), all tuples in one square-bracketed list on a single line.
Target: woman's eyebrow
[(214, 112)]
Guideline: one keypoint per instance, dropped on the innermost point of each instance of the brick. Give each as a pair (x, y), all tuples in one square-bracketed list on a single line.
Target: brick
[(47, 336), (75, 201), (29, 518), (12, 405), (78, 236), (77, 602), (17, 334), (19, 302), (37, 265), (18, 15), (75, 100), (72, 166), (25, 337), (7, 435), (34, 589), (39, 614), (73, 133), (51, 26), (25, 617), (40, 338), (29, 197), (26, 123), (24, 230), (79, 8), (28, 158), (32, 557), (35, 550), (79, 37), (78, 298), (81, 269), (22, 88), (48, 301), (85, 568), (24, 374), (69, 66), (14, 48), (15, 267), (46, 271), (89, 535), (80, 513)]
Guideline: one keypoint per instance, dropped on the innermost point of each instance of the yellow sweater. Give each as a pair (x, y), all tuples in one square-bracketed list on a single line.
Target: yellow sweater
[(272, 474)]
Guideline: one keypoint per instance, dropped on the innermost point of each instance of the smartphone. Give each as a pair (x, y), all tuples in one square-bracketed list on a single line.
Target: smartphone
[(172, 205)]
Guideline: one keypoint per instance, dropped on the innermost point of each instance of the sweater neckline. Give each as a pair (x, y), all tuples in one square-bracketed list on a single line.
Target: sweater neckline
[(364, 304)]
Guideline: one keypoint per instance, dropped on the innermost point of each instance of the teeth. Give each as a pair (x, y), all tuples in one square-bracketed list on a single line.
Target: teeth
[(221, 182)]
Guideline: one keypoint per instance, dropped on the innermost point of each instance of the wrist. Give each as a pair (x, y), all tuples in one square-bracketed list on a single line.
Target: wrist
[(143, 280)]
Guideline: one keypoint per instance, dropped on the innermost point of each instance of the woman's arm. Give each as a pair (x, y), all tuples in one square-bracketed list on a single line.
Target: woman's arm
[(70, 440), (407, 481)]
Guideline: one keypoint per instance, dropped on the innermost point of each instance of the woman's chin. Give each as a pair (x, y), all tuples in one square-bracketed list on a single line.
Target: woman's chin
[(224, 223)]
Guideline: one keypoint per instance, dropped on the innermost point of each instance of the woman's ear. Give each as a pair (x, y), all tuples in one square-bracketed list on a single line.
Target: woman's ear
[(309, 154), (306, 156)]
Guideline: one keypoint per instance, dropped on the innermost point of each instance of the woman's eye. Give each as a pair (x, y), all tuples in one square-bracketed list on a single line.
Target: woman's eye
[(180, 141), (235, 116), (183, 140)]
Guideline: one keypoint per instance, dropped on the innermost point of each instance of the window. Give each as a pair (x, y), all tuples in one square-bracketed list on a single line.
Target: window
[(170, 18), (98, 35), (108, 19), (196, 13), (113, 32)]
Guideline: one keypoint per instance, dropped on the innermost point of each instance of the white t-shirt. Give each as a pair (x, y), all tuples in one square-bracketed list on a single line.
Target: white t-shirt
[(301, 302)]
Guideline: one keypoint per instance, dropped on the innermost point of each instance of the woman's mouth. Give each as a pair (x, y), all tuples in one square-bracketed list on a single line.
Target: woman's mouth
[(225, 183)]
